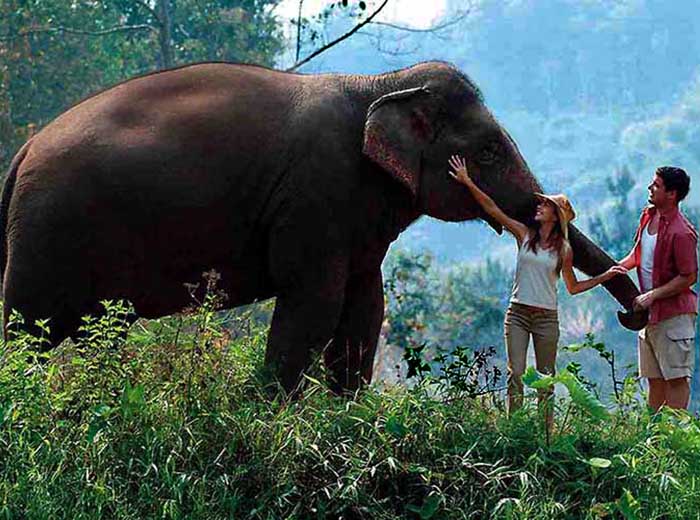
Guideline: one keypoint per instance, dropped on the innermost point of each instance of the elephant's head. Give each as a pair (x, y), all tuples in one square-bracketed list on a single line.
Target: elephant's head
[(435, 112)]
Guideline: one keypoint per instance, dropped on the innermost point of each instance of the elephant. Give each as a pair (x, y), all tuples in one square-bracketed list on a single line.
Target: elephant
[(288, 185)]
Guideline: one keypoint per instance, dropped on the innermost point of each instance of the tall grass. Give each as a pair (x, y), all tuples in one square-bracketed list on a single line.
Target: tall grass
[(179, 420)]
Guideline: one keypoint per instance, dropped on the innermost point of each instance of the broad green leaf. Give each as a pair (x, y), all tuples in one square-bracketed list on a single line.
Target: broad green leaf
[(534, 379), (95, 427), (575, 347), (101, 410), (628, 506), (581, 396), (396, 427), (597, 462), (5, 412), (430, 507)]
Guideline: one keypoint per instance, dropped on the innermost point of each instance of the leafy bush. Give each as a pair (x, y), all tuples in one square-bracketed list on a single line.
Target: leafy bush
[(177, 420)]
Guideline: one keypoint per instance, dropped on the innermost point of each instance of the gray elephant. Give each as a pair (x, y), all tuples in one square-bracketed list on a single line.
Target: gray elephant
[(288, 185)]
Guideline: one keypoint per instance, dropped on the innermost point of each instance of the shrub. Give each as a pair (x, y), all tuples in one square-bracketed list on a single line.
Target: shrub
[(177, 420)]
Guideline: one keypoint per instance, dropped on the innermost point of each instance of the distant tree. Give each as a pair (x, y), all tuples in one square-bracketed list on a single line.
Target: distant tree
[(410, 297), (458, 306), (472, 303), (613, 227), (592, 55), (53, 53)]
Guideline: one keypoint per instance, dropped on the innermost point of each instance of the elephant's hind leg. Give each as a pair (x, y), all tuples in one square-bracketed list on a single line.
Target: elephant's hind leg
[(61, 324), (33, 300), (350, 357)]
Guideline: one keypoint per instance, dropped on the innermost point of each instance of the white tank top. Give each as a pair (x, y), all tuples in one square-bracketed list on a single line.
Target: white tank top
[(536, 278), (647, 267)]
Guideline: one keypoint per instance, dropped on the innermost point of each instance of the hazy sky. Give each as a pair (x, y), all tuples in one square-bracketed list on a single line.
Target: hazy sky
[(416, 13)]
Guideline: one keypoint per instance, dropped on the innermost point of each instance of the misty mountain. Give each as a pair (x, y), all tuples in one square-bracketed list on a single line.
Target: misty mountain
[(583, 87)]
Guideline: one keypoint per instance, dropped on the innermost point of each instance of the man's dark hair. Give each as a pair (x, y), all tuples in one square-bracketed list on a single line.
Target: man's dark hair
[(675, 179)]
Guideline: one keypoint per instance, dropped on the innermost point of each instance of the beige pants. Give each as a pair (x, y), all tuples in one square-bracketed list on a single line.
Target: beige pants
[(521, 322), (667, 349)]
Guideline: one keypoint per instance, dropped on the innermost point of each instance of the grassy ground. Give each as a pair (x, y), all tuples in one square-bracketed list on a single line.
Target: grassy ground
[(178, 421)]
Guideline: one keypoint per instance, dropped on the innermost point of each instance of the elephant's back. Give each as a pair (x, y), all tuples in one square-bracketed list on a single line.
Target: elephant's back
[(161, 176), (186, 136), (214, 103)]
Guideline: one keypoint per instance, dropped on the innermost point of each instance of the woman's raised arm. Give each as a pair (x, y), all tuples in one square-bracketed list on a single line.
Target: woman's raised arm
[(460, 174)]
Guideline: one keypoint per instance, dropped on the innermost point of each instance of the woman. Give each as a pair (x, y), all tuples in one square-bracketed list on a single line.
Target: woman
[(544, 253)]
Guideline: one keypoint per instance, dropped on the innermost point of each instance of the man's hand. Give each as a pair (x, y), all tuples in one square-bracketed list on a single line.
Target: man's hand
[(675, 286), (644, 301)]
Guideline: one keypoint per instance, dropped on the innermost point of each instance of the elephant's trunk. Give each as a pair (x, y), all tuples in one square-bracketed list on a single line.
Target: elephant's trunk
[(588, 257), (593, 261)]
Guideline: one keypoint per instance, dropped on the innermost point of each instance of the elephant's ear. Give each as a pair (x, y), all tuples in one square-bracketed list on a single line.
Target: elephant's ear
[(397, 129)]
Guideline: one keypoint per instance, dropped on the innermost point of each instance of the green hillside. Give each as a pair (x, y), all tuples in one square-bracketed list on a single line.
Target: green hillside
[(179, 421)]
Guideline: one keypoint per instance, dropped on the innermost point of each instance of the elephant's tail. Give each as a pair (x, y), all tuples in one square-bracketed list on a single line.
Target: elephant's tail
[(7, 190)]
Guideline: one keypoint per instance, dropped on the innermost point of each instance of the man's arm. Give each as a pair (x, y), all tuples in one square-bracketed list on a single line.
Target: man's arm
[(678, 284), (684, 251), (629, 262)]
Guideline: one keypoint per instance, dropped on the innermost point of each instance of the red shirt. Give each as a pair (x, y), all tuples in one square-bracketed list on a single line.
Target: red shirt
[(675, 254)]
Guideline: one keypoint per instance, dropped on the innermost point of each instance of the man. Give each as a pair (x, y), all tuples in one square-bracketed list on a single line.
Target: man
[(665, 255)]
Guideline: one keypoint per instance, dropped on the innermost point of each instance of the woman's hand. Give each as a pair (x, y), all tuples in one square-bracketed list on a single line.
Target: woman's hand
[(459, 165), (574, 286), (614, 271)]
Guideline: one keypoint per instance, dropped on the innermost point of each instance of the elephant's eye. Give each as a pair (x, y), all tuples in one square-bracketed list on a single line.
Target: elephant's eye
[(489, 154)]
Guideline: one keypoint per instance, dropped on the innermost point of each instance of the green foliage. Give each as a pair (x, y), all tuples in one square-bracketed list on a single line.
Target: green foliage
[(460, 373), (579, 394), (625, 390), (177, 420), (451, 307), (226, 30), (408, 286), (614, 229), (54, 53)]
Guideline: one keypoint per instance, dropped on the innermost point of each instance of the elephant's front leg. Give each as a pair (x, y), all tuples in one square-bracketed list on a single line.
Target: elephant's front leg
[(350, 357), (303, 323)]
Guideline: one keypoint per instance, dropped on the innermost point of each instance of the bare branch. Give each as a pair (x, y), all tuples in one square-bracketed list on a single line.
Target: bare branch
[(459, 16), (400, 32), (396, 51), (339, 39), (301, 4), (71, 30), (184, 31)]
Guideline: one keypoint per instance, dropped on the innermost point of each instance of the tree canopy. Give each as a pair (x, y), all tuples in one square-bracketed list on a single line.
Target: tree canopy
[(53, 53)]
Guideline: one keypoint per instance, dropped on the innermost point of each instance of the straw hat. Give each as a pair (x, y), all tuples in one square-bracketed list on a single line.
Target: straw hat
[(564, 209)]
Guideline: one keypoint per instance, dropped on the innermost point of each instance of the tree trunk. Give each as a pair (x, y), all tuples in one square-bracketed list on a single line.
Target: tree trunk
[(165, 41)]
